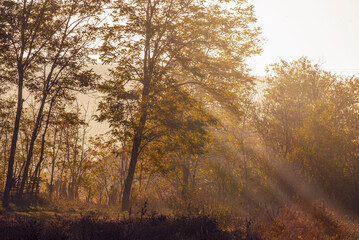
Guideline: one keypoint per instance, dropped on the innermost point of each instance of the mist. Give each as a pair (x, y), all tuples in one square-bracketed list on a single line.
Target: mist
[(147, 120)]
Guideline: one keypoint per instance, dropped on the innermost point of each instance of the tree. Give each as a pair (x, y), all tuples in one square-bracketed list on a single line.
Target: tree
[(22, 33), (192, 46), (60, 52), (310, 118), (104, 177), (7, 109), (180, 138), (57, 132)]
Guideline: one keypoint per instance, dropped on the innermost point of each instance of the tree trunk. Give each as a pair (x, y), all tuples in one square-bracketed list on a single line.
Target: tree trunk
[(61, 180), (136, 147), (37, 189), (10, 168), (147, 70), (43, 140), (31, 148), (5, 159), (186, 173), (134, 156), (37, 169), (130, 175), (53, 163)]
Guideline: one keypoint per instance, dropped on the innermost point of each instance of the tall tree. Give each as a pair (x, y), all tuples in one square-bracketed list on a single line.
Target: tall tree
[(60, 52), (23, 30), (191, 45)]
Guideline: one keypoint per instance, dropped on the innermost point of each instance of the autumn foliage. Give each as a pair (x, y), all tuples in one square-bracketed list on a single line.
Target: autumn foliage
[(192, 146)]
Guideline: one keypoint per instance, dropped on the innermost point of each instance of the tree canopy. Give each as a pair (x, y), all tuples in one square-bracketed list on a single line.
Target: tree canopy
[(167, 48)]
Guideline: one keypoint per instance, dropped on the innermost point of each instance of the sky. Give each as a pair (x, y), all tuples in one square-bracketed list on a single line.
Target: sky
[(327, 31)]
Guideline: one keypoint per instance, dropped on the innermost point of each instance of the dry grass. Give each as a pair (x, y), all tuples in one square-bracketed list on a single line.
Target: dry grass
[(304, 221), (295, 221)]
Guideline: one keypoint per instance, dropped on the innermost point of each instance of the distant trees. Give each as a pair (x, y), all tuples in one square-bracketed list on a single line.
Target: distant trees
[(186, 47), (309, 117)]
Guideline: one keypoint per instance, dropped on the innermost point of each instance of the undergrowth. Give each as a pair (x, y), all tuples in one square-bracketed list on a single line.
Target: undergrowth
[(79, 221)]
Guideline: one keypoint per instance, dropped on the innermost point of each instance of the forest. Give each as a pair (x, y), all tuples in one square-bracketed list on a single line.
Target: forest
[(192, 145)]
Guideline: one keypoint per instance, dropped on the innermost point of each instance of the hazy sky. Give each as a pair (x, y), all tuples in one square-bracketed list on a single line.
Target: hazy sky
[(326, 31)]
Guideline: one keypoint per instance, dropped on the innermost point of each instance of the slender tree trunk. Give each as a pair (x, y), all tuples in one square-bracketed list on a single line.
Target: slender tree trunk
[(16, 169), (186, 173), (60, 182), (74, 170), (140, 178), (37, 189), (10, 169), (5, 159), (64, 191), (43, 140), (31, 148), (244, 155), (79, 173), (37, 169), (54, 155), (124, 164), (88, 197)]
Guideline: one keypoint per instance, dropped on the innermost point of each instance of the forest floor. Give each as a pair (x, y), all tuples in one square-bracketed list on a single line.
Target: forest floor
[(78, 221)]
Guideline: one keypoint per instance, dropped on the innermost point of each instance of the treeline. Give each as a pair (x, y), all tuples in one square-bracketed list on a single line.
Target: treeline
[(190, 129)]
